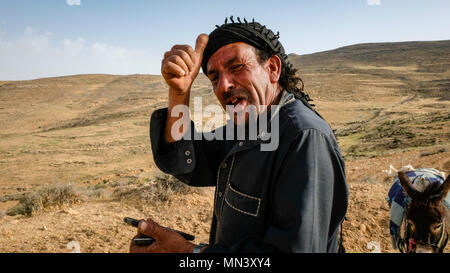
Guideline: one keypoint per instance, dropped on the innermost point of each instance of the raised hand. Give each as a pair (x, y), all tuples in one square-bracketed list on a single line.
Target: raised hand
[(181, 65)]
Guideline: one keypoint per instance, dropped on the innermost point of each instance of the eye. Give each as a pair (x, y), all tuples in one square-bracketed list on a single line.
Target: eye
[(237, 67), (411, 225), (437, 226), (213, 78)]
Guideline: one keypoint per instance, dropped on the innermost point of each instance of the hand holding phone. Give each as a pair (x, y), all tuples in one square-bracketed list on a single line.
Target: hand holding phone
[(149, 240)]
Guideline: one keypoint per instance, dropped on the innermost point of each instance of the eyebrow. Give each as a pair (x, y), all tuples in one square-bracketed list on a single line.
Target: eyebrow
[(227, 63)]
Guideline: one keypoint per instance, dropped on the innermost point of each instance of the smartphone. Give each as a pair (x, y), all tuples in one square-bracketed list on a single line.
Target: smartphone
[(131, 221), (149, 240), (143, 241)]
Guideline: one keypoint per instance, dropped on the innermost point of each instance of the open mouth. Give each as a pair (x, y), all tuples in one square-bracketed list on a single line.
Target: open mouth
[(235, 100), (239, 103), (232, 101)]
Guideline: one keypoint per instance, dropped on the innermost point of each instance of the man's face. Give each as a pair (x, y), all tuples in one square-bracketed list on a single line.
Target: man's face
[(239, 80)]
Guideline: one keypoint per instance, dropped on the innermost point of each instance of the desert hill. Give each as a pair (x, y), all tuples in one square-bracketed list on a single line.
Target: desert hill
[(389, 104), (421, 67), (370, 91)]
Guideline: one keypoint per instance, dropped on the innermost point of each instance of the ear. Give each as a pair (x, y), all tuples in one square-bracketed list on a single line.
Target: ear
[(407, 186), (445, 187), (273, 65)]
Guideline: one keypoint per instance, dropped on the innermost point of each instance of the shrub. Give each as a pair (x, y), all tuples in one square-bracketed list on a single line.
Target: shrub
[(157, 191), (50, 196)]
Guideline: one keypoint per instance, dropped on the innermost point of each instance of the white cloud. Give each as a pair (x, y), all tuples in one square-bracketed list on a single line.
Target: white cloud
[(73, 2), (38, 54), (33, 41), (373, 2), (74, 47)]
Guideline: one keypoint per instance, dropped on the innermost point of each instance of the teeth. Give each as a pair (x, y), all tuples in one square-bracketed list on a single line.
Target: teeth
[(234, 100)]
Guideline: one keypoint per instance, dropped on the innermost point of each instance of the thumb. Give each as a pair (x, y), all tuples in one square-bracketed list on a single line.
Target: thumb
[(200, 44), (150, 228)]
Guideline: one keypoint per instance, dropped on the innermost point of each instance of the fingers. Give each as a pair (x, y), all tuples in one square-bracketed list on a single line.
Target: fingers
[(151, 228), (142, 231), (200, 44), (166, 240), (135, 248), (185, 48), (177, 62), (184, 56), (173, 69), (182, 59)]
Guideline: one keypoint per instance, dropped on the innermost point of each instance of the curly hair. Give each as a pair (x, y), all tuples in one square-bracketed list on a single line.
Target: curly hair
[(289, 80)]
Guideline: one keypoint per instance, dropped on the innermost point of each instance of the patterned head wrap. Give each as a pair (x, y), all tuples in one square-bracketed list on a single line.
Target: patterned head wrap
[(252, 33)]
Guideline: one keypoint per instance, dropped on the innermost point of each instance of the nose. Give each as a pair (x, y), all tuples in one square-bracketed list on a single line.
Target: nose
[(224, 85), (423, 249)]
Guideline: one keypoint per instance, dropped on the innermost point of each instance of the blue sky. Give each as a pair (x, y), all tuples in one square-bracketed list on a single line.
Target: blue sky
[(63, 37)]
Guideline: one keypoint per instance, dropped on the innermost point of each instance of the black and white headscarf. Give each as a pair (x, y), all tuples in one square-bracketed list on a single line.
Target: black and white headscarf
[(252, 33)]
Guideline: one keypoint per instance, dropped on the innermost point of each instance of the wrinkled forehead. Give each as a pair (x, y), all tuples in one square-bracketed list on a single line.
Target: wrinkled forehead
[(228, 54)]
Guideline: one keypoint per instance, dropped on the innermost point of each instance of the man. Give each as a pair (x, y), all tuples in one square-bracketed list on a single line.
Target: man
[(290, 199)]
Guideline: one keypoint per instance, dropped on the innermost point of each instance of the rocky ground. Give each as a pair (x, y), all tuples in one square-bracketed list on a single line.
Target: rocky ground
[(96, 224)]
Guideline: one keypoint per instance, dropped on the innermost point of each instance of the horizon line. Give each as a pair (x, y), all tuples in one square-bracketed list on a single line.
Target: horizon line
[(132, 74)]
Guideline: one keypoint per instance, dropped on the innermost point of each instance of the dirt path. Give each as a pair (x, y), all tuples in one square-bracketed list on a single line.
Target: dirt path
[(380, 112)]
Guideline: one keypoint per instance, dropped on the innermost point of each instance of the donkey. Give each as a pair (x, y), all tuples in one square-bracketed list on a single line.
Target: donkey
[(427, 218)]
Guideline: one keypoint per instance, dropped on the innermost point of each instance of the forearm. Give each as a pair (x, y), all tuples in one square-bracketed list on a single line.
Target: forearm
[(180, 158), (177, 104), (179, 68)]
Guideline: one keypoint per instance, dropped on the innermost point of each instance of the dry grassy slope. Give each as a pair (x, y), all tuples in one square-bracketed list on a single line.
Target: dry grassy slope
[(382, 96), (421, 67), (77, 127), (388, 102), (74, 99)]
